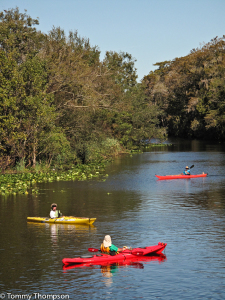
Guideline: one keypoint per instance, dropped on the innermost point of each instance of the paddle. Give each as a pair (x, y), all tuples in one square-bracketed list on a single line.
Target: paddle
[(182, 173), (134, 252), (189, 169)]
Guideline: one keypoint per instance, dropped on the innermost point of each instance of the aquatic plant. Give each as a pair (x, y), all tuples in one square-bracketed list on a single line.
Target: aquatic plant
[(26, 183)]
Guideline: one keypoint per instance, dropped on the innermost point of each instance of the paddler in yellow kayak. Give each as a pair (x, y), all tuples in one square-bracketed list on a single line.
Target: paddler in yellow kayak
[(54, 213)]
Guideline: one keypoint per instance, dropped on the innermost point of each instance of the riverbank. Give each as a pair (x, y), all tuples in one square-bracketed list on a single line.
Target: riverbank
[(25, 181)]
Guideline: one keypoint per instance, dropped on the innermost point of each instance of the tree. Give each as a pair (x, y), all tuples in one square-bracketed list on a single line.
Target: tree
[(190, 90), (57, 99), (26, 109)]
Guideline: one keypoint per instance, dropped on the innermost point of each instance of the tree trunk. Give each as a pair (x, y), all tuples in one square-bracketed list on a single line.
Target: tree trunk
[(34, 155)]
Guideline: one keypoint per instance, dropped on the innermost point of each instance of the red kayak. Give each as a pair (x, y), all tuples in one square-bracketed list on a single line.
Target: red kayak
[(106, 258), (136, 262), (180, 176)]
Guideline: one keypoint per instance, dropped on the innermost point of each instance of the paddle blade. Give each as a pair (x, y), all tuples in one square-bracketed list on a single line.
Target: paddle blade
[(192, 166), (93, 250)]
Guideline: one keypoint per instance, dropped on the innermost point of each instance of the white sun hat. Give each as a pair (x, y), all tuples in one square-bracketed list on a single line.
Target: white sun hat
[(107, 241)]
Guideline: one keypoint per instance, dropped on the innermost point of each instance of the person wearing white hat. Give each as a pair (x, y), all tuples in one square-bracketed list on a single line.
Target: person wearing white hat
[(54, 213), (108, 247)]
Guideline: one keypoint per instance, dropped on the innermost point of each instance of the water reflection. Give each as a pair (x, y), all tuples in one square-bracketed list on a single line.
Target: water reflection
[(62, 227), (108, 270), (55, 231), (54, 234), (136, 209)]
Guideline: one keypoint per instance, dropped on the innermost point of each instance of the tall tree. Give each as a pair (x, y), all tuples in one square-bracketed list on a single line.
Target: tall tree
[(26, 109)]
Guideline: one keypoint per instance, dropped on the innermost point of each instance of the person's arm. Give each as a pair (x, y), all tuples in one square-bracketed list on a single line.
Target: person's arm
[(116, 249), (187, 172), (121, 249)]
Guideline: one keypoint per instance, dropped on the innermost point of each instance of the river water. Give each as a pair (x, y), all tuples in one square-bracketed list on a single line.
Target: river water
[(137, 210)]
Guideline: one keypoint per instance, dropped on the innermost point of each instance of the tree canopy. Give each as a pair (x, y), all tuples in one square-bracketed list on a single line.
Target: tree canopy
[(191, 92), (59, 103)]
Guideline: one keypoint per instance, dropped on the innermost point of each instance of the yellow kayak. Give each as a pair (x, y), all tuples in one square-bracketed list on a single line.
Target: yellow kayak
[(62, 220), (54, 227)]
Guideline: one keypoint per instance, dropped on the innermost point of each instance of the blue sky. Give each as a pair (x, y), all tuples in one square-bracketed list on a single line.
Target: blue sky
[(150, 30)]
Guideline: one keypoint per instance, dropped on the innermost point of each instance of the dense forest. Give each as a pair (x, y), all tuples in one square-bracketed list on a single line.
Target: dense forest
[(61, 105), (191, 92)]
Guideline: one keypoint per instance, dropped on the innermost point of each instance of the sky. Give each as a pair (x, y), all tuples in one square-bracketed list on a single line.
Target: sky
[(150, 30)]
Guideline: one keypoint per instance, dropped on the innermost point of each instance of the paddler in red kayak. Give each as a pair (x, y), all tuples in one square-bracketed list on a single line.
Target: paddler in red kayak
[(108, 247), (187, 171)]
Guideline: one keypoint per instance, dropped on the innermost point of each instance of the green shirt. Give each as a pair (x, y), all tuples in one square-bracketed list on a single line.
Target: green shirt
[(113, 248)]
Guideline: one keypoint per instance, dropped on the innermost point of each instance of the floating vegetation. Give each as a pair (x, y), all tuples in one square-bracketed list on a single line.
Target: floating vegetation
[(156, 145), (134, 151), (148, 146), (26, 183)]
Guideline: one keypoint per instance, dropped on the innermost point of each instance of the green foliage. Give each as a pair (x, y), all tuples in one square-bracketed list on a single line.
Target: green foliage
[(121, 66), (190, 90), (20, 166), (26, 183), (60, 105), (106, 149)]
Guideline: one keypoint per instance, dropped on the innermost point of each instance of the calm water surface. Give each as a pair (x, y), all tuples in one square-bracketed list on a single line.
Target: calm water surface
[(136, 209)]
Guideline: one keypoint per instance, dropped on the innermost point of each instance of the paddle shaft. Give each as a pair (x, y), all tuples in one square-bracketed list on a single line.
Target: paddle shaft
[(134, 252)]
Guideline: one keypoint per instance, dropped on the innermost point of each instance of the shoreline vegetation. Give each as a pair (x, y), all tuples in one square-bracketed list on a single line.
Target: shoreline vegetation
[(64, 112), (24, 181), (60, 105)]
